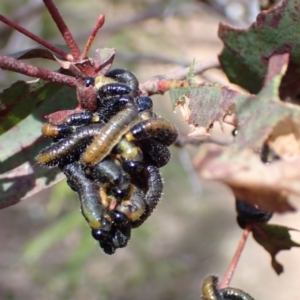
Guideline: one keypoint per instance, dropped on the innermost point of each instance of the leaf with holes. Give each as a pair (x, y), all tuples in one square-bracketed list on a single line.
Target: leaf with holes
[(203, 104), (239, 165), (247, 51)]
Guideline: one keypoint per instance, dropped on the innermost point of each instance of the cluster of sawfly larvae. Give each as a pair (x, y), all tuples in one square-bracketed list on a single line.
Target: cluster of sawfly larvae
[(111, 157)]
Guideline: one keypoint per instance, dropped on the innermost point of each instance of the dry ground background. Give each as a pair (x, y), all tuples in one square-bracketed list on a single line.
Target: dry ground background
[(46, 251)]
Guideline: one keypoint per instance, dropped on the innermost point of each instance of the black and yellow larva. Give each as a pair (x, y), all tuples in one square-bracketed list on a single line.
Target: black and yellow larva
[(69, 149), (155, 153), (135, 206), (159, 129), (211, 291), (110, 135), (113, 176), (92, 209), (69, 124), (153, 193)]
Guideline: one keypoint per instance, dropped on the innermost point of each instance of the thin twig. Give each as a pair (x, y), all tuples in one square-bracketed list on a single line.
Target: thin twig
[(232, 267), (11, 64), (162, 83), (63, 28), (99, 23), (183, 140), (35, 38), (199, 68)]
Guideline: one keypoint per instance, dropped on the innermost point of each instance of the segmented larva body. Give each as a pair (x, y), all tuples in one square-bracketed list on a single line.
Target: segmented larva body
[(155, 153), (235, 294), (69, 149), (153, 194), (110, 135), (69, 124), (91, 207), (211, 291), (159, 129), (134, 207)]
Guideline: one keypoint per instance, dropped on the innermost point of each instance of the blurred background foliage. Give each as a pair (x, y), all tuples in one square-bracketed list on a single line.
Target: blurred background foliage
[(46, 251)]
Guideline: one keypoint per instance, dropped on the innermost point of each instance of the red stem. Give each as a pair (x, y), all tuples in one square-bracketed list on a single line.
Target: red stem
[(11, 64), (99, 23), (63, 28), (229, 274), (35, 38)]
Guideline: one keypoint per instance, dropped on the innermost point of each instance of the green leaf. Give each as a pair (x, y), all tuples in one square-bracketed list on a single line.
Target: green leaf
[(20, 174), (36, 52), (247, 51), (274, 238), (21, 99), (257, 116)]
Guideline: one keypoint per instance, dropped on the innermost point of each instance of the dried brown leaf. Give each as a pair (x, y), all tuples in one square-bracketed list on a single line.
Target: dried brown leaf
[(266, 186)]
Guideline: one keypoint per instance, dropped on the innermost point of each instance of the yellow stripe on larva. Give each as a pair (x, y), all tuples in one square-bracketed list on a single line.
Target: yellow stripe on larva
[(110, 135)]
